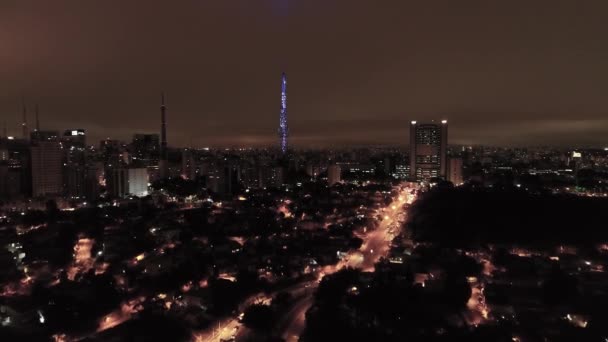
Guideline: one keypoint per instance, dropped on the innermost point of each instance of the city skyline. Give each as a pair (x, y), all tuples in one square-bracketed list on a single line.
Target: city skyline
[(351, 83), (434, 171), (402, 140)]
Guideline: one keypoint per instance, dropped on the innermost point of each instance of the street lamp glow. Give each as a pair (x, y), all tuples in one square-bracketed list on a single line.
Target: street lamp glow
[(41, 317)]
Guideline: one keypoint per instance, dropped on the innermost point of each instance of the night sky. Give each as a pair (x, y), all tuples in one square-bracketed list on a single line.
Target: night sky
[(503, 72)]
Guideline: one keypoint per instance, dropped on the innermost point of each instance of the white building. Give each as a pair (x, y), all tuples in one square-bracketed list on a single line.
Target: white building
[(123, 182)]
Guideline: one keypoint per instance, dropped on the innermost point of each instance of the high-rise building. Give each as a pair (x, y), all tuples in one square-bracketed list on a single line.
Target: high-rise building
[(19, 163), (113, 152), (117, 181), (230, 178), (333, 174), (74, 162), (3, 153), (10, 181), (275, 177), (188, 164), (46, 166), (249, 174), (272, 176), (163, 164), (75, 137), (39, 135), (428, 150), (123, 182), (313, 170), (455, 171), (283, 128), (92, 179), (402, 171), (4, 170), (146, 149), (74, 179), (74, 145)]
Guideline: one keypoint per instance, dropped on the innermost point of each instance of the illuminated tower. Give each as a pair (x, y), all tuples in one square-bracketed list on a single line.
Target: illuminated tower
[(283, 130), (163, 161), (25, 131)]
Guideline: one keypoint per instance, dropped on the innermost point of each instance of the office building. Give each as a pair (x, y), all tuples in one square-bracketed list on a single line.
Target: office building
[(313, 171), (74, 180), (92, 179), (113, 152), (4, 172), (3, 153), (37, 135), (455, 171), (11, 182), (123, 182), (46, 168), (230, 178), (74, 145), (75, 137), (272, 176), (188, 164), (333, 174), (19, 163), (428, 150), (146, 149), (402, 171)]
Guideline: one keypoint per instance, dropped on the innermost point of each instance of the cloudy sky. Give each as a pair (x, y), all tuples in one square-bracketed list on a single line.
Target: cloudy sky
[(502, 72)]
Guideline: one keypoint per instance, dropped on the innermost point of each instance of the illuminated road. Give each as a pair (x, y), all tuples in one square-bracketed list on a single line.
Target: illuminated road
[(376, 244), (230, 327), (294, 321)]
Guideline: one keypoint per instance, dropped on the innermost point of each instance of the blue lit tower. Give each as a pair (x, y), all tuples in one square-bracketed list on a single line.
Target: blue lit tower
[(283, 130), (163, 160)]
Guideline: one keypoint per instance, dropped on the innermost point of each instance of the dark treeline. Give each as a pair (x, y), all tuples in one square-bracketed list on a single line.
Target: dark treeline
[(461, 217), (387, 306)]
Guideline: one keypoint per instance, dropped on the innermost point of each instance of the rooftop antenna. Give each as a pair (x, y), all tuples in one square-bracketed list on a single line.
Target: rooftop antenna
[(24, 123), (37, 120)]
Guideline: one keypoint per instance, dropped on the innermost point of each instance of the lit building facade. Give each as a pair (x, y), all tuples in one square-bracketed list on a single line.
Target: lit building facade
[(428, 150), (402, 171)]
